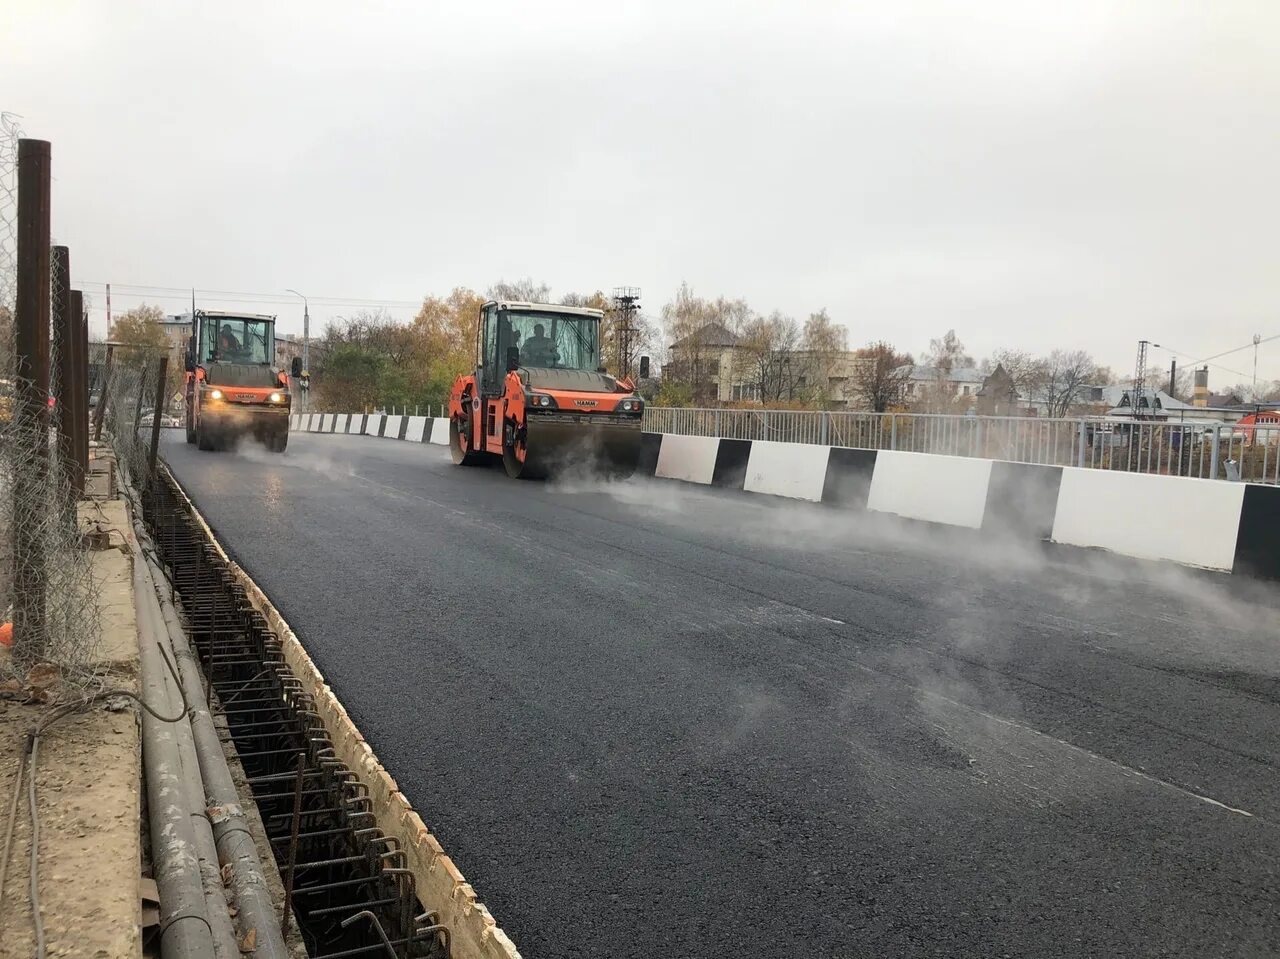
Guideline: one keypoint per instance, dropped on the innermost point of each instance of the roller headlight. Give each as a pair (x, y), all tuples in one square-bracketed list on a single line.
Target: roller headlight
[(540, 400), (276, 397), (632, 406), (215, 394)]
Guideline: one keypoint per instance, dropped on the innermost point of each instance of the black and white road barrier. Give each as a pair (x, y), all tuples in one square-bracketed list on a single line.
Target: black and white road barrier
[(1212, 524)]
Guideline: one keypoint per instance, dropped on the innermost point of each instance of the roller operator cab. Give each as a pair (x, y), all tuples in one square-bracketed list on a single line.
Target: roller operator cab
[(540, 399), (232, 387)]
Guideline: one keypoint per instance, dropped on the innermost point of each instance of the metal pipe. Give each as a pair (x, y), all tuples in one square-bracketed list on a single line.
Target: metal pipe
[(81, 321), (65, 399), (101, 408), (185, 932), (137, 402), (31, 415), (155, 418), (256, 911), (219, 918)]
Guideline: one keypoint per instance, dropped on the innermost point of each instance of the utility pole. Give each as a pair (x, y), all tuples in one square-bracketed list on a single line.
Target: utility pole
[(1173, 376), (626, 302), (1257, 338), (306, 350), (1139, 378)]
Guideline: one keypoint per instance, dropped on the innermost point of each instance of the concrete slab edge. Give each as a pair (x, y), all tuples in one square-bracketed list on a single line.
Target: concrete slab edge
[(440, 885)]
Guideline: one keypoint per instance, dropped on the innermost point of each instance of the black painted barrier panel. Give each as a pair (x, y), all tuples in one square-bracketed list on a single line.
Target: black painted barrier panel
[(730, 471), (848, 479), (1022, 500), (1258, 539), (650, 444)]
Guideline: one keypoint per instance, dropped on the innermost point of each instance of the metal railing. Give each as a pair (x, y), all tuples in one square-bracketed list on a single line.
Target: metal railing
[(1206, 450)]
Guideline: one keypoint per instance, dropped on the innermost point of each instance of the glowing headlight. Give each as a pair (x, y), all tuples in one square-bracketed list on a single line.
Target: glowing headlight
[(215, 394), (276, 397)]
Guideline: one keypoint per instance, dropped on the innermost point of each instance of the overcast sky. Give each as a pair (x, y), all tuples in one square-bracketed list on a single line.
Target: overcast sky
[(1033, 174)]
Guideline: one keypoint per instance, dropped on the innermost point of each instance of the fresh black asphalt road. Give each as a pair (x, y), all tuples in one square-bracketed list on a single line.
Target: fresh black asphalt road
[(648, 719)]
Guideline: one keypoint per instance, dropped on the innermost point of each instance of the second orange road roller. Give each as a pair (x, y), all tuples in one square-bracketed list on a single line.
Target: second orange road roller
[(540, 399)]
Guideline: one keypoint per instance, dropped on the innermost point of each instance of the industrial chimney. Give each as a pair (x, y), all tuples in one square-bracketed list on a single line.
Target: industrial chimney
[(1200, 396)]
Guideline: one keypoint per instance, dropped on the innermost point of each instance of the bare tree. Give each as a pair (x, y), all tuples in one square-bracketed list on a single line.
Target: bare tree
[(1027, 372), (947, 353), (880, 375), (1066, 373), (825, 344), (775, 367), (699, 332), (524, 290)]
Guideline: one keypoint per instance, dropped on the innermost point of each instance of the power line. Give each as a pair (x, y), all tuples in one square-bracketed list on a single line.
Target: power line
[(140, 291), (1251, 343), (1225, 369)]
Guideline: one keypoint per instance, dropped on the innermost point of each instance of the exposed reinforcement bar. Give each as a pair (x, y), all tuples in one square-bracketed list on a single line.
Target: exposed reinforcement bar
[(366, 871)]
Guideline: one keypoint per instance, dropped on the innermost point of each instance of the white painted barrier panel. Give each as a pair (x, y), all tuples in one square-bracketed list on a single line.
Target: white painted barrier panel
[(326, 423), (440, 431), (392, 430), (688, 458), (417, 426), (798, 470), (1189, 521), (308, 419), (371, 424), (294, 420), (930, 487)]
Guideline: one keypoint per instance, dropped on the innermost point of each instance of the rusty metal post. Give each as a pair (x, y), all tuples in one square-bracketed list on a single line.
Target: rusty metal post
[(31, 414), (80, 394), (102, 396), (65, 399), (155, 419), (142, 388)]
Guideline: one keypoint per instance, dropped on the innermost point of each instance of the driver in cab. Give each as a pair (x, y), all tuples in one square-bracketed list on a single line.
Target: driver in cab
[(227, 342), (539, 349)]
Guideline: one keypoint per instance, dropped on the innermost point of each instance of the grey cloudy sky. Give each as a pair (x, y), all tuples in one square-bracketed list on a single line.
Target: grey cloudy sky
[(1033, 174)]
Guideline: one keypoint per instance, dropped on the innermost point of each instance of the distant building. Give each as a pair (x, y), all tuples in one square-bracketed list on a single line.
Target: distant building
[(718, 367), (287, 347), (928, 386), (998, 395), (1159, 405)]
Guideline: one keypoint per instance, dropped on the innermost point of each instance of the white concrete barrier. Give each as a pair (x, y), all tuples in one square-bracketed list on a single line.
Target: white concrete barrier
[(326, 423), (392, 430), (797, 470), (927, 486), (1190, 521), (371, 424), (688, 458), (440, 431), (413, 433)]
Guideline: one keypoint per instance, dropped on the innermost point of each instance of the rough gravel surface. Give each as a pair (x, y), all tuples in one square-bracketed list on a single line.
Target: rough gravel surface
[(648, 719)]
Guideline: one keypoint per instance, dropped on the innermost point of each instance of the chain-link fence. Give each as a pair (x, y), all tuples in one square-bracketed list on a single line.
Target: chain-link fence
[(125, 389), (49, 602)]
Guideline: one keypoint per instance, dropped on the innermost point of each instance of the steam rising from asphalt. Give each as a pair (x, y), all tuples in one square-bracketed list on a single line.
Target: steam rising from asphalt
[(958, 681), (334, 467)]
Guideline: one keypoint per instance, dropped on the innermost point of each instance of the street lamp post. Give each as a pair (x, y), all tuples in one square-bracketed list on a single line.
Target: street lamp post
[(306, 348)]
